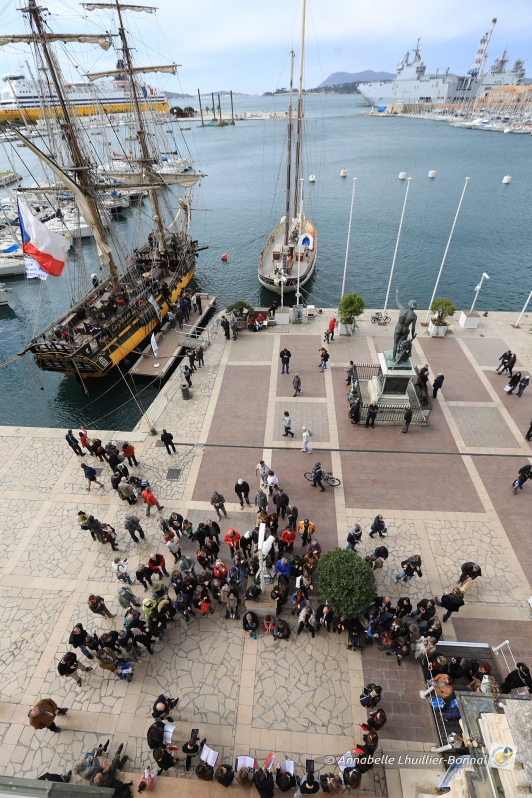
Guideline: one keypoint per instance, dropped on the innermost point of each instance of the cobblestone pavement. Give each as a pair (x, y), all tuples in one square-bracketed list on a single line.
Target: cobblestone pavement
[(451, 503)]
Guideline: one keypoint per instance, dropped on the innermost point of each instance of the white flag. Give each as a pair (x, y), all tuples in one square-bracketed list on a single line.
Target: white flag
[(154, 347)]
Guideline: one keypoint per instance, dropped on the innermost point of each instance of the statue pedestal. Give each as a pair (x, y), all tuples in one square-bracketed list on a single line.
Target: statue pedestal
[(390, 386)]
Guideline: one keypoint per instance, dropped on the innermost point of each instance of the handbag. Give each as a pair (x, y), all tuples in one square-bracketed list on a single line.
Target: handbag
[(508, 388)]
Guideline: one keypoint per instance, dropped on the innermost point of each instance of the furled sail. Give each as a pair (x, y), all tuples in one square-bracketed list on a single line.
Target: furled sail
[(111, 73), (123, 7), (104, 41)]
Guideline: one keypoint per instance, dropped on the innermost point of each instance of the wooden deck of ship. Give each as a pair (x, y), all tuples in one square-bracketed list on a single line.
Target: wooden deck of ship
[(172, 343)]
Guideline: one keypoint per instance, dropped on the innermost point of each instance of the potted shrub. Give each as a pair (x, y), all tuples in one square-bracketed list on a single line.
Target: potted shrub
[(346, 582), (238, 308), (441, 308), (351, 306)]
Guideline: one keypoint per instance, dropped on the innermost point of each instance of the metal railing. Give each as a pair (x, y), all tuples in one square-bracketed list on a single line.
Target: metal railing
[(389, 413)]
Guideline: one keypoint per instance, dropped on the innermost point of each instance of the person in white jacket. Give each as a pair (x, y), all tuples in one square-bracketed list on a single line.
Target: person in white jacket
[(307, 620), (306, 437), (121, 570)]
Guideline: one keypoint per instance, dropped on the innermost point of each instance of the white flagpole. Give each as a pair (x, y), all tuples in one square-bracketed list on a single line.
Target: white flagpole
[(446, 249), (397, 244), (525, 307), (348, 236)]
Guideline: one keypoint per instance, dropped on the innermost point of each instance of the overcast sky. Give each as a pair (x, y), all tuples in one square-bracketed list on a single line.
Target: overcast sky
[(243, 46)]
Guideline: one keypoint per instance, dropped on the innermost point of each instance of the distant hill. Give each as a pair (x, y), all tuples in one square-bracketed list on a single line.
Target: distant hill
[(172, 95), (355, 77)]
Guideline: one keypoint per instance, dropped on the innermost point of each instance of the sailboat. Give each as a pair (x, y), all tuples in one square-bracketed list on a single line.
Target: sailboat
[(288, 258), (131, 295)]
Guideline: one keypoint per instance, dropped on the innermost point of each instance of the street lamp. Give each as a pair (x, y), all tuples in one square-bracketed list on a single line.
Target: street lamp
[(477, 289)]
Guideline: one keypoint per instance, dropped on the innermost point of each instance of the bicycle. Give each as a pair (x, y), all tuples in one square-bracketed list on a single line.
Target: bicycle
[(327, 477), (378, 318)]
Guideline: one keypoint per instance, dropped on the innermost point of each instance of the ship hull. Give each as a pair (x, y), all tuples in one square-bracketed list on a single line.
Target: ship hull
[(33, 114), (290, 286), (118, 340)]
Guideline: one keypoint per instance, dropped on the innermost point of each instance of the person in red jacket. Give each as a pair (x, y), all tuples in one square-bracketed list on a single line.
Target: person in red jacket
[(220, 570), (157, 565), (84, 440), (232, 538), (128, 450), (332, 325), (150, 501), (288, 536)]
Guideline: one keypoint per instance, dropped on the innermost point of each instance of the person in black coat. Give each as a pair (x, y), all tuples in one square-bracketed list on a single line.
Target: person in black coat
[(354, 411), (324, 617), (516, 679), (404, 607), (309, 784), (164, 759), (162, 707), (77, 639), (285, 355), (378, 526), (460, 668), (204, 772), (167, 438), (452, 602), (436, 385), (263, 781), (285, 781), (242, 491), (470, 570), (191, 749), (250, 623), (213, 530), (352, 778), (224, 775), (424, 613), (407, 419), (155, 735)]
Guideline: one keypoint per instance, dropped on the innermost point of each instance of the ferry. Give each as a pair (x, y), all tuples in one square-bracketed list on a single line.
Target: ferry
[(22, 101)]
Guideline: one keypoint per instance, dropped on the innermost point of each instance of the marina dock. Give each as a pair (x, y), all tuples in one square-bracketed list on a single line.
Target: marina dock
[(172, 344)]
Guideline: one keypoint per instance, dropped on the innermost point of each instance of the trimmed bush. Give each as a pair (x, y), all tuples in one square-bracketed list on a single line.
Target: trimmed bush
[(442, 307), (351, 306), (238, 307), (346, 582)]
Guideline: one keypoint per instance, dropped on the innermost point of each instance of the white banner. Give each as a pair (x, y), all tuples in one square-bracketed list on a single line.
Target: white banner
[(33, 269), (502, 756), (154, 347)]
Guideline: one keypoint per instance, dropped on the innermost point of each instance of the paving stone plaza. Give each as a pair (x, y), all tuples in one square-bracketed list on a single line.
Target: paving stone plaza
[(444, 491)]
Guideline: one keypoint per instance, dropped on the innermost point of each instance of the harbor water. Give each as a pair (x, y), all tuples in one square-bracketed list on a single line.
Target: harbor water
[(242, 198)]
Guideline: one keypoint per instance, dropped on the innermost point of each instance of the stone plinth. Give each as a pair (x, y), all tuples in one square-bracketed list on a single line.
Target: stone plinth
[(469, 319), (264, 606), (390, 386)]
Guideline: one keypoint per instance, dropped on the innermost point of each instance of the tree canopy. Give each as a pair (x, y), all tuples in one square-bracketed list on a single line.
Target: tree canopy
[(346, 582)]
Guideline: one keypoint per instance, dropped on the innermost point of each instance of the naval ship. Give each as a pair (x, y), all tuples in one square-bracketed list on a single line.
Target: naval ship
[(413, 85)]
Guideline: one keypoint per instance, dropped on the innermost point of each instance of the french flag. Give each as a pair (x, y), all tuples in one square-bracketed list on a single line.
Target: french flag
[(45, 252)]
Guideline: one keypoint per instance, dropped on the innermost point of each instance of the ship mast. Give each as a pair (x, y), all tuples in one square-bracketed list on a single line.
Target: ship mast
[(300, 107), (79, 166), (289, 153), (147, 157)]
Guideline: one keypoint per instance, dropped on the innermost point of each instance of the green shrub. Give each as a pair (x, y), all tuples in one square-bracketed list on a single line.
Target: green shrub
[(238, 307), (346, 582), (351, 306), (442, 307)]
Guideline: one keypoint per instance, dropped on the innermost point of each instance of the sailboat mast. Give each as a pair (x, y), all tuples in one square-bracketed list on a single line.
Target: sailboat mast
[(80, 167), (289, 152), (300, 105), (141, 133)]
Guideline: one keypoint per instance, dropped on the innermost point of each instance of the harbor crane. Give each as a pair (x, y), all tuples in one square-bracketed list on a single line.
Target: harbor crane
[(477, 69)]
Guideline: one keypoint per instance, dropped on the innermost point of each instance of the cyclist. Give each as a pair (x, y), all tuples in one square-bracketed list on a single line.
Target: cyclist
[(317, 474)]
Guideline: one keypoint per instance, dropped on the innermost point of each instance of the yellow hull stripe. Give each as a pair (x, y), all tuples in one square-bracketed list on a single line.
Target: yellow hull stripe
[(81, 110)]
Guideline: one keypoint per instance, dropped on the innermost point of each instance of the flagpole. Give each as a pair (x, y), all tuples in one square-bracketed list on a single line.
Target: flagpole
[(397, 244), (446, 249), (348, 236)]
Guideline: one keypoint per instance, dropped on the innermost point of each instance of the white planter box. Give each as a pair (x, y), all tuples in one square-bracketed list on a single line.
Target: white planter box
[(438, 330), (469, 320), (346, 329)]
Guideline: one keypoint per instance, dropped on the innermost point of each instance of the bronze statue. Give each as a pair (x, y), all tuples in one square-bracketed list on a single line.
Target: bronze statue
[(402, 345)]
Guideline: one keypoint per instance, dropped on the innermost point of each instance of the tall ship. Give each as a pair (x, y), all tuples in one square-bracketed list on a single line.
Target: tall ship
[(288, 258), (113, 310), (412, 84), (23, 99)]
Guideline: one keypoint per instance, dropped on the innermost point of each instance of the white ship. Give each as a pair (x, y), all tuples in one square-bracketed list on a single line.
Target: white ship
[(22, 100), (412, 85)]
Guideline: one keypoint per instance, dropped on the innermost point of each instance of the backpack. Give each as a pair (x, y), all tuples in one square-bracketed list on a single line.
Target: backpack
[(122, 791), (90, 473), (125, 597), (325, 356), (309, 432)]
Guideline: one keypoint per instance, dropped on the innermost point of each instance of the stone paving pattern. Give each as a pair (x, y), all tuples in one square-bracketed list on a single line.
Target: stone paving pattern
[(444, 491)]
